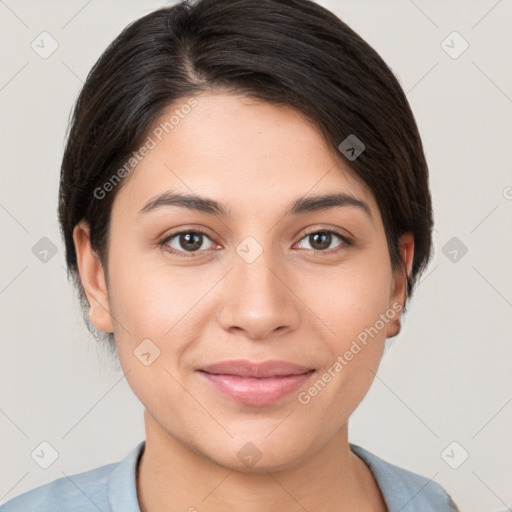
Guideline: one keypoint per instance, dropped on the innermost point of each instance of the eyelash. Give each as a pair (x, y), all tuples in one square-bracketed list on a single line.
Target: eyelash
[(164, 243)]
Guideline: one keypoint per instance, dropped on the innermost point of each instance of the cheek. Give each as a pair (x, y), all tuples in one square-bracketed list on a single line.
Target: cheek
[(350, 297), (353, 301), (152, 299)]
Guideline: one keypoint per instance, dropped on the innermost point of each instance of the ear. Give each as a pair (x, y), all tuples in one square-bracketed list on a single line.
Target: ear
[(93, 279), (399, 284)]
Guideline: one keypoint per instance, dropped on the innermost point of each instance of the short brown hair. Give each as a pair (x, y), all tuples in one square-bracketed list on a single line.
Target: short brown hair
[(289, 52)]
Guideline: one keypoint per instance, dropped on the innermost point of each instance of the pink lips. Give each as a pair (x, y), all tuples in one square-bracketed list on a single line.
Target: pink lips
[(255, 383)]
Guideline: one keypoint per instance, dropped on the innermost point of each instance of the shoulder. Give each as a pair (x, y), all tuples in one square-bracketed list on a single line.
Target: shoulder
[(83, 491), (405, 490), (100, 488)]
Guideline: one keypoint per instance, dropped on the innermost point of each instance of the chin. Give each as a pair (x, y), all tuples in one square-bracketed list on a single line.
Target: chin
[(258, 453)]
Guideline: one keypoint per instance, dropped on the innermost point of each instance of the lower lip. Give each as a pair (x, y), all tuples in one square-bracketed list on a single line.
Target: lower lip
[(256, 391)]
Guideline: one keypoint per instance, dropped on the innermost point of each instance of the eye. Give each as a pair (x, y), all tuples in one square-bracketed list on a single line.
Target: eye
[(319, 241), (184, 242)]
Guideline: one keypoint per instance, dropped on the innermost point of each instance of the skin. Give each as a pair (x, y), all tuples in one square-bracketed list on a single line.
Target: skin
[(289, 304)]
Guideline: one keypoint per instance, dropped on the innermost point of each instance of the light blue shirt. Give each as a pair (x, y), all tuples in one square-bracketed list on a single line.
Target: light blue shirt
[(113, 488)]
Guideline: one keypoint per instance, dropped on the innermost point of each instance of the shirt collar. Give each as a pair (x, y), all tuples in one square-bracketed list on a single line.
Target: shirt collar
[(122, 488), (401, 489)]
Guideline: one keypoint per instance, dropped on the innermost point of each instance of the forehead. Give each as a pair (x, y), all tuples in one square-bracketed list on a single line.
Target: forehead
[(240, 151)]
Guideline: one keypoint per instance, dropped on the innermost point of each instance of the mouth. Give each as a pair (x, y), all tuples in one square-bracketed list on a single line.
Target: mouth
[(255, 383)]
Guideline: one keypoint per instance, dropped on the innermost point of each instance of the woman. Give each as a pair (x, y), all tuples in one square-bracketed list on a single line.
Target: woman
[(245, 205)]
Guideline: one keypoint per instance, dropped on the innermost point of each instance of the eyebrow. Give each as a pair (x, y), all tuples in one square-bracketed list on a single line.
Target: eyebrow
[(302, 205)]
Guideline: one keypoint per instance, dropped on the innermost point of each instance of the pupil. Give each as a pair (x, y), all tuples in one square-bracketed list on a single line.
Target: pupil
[(190, 241), (316, 237)]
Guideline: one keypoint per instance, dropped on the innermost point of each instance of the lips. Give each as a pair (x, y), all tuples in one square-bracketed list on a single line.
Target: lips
[(243, 368), (252, 383)]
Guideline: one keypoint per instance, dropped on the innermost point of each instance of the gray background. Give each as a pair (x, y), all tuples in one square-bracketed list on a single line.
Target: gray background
[(448, 375)]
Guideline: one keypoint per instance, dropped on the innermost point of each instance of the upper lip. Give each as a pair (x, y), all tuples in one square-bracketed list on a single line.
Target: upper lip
[(244, 368)]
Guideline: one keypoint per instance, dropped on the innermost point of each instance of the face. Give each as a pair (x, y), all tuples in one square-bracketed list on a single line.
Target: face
[(254, 269)]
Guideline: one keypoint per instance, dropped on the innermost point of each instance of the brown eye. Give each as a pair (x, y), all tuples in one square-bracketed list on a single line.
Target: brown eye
[(187, 241), (190, 241), (322, 240)]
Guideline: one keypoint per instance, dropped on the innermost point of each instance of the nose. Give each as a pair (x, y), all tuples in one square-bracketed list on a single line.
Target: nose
[(258, 299)]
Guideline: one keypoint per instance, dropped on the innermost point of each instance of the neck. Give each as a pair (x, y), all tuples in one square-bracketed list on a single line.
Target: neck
[(171, 476)]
